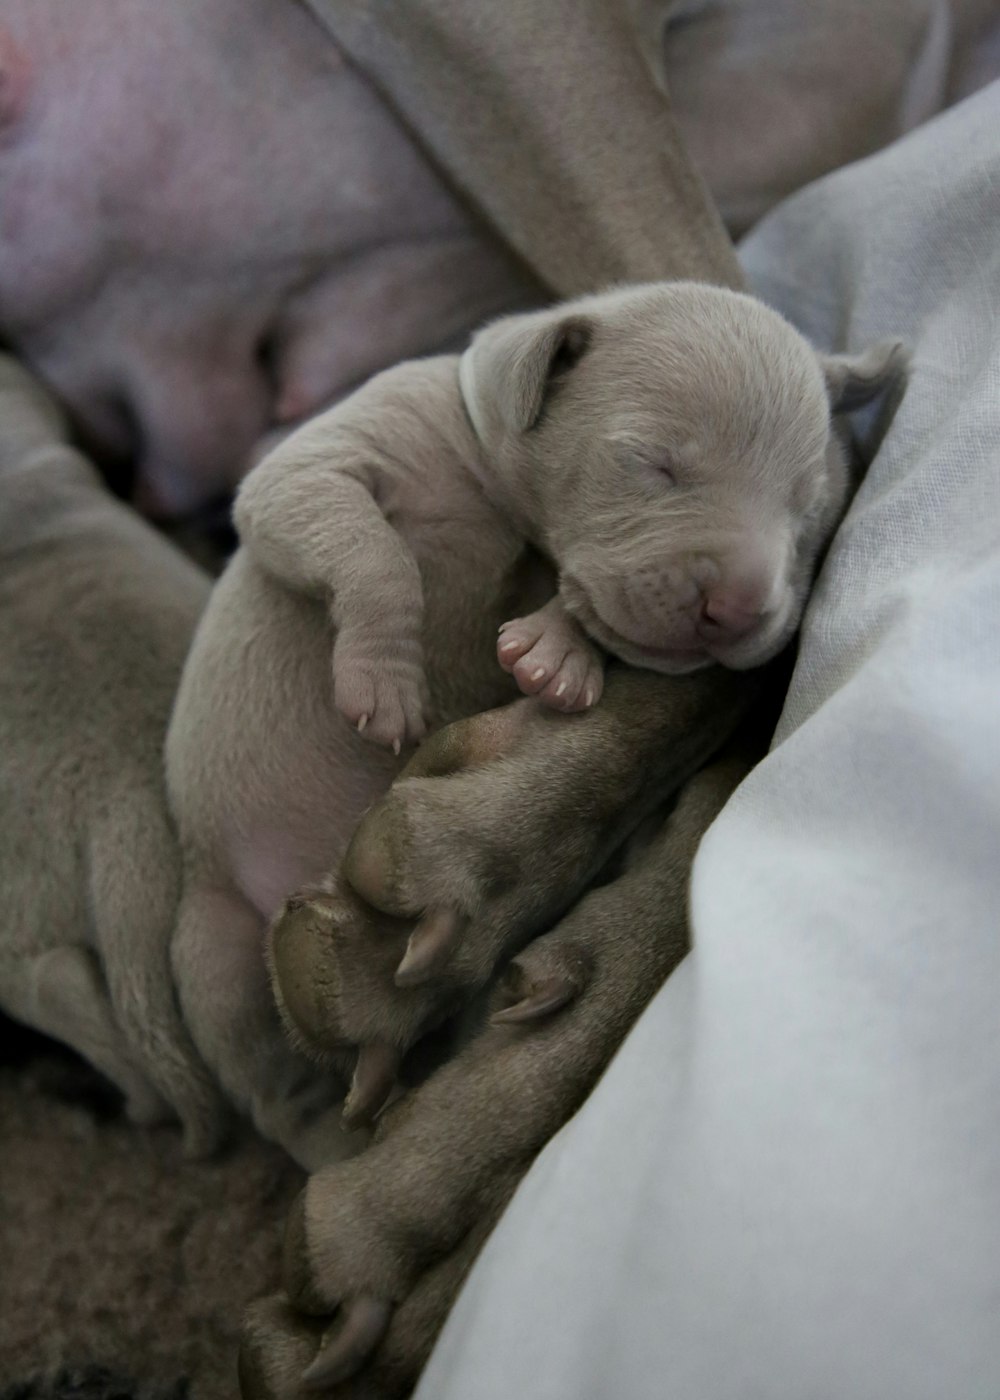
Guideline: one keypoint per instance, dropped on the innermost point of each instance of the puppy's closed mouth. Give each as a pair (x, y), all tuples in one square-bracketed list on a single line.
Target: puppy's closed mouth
[(673, 660), (680, 655)]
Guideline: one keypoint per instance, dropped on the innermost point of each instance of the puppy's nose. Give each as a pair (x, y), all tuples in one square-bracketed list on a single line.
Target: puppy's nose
[(732, 612)]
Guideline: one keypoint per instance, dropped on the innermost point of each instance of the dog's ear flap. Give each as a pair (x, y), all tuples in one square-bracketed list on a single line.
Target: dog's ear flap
[(511, 366), (854, 380)]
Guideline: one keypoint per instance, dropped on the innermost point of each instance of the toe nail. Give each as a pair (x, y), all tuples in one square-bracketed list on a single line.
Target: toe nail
[(560, 689), (537, 675), (362, 722)]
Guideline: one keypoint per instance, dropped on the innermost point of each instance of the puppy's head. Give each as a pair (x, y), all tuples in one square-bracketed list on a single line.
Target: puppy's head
[(670, 447)]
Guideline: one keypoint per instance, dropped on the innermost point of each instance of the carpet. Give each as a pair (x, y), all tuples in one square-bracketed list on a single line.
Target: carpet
[(124, 1269)]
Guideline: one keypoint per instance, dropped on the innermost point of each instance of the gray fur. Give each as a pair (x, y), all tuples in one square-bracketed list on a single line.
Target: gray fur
[(96, 613)]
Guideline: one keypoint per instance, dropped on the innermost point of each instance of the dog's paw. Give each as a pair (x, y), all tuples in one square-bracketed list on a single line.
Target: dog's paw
[(282, 1347), (277, 1346), (333, 963), (375, 1253), (547, 976), (384, 697), (342, 1262), (283, 1357), (483, 841), (552, 658)]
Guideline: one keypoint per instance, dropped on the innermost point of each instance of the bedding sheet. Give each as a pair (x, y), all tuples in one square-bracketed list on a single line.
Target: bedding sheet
[(787, 1186)]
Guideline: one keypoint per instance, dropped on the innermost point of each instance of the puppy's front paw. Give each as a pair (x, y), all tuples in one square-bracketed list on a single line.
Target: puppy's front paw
[(552, 658), (382, 697)]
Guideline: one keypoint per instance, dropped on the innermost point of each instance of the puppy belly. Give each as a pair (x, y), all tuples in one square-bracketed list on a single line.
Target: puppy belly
[(273, 856)]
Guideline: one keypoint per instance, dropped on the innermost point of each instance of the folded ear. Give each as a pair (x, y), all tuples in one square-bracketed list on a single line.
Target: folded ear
[(510, 367), (854, 380)]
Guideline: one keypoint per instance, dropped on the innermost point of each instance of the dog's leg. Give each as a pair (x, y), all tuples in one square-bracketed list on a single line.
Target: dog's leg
[(365, 1233), (490, 834), (63, 994), (217, 957), (133, 905), (280, 1344)]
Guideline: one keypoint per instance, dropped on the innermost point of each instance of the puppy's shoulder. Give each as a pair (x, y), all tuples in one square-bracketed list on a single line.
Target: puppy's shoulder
[(414, 404), (412, 420)]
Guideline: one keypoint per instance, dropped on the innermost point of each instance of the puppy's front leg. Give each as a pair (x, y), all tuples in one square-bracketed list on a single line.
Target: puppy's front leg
[(280, 1343), (310, 516), (367, 1233)]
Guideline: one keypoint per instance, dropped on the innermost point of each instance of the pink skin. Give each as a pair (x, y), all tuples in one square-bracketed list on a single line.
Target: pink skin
[(201, 239), (551, 657)]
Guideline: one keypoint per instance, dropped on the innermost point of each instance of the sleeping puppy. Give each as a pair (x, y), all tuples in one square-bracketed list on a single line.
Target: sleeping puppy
[(648, 474), (96, 614)]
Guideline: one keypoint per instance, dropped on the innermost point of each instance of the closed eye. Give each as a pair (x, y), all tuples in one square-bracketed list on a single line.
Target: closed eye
[(666, 468), (636, 453)]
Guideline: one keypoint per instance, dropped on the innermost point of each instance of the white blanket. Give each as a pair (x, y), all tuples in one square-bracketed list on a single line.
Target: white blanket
[(787, 1186)]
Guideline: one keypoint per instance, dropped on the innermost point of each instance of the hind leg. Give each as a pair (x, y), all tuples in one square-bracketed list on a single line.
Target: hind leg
[(218, 961), (62, 993)]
